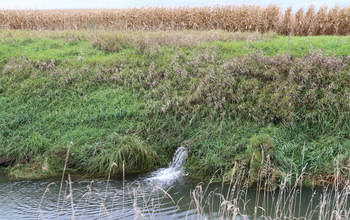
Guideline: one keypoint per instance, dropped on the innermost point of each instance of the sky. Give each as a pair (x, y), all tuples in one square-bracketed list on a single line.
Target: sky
[(92, 4)]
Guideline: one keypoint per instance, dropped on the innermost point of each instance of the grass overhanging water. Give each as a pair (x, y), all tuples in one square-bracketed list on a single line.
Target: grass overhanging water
[(256, 108), (249, 97), (267, 102)]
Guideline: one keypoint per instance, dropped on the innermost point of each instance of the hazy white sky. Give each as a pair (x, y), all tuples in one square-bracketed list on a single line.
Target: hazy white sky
[(64, 4)]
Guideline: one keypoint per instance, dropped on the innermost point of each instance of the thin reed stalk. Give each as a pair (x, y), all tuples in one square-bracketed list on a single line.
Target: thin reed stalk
[(40, 213), (64, 170), (71, 196), (228, 202)]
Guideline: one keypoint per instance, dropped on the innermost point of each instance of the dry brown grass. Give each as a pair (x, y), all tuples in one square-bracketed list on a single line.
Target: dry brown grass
[(251, 18)]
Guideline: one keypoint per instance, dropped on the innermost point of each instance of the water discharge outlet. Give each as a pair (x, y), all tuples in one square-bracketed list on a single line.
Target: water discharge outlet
[(173, 171)]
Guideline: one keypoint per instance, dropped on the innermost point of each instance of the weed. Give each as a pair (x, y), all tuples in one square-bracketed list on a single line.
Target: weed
[(231, 200)]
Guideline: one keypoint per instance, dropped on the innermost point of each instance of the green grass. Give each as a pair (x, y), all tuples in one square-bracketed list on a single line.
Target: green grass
[(296, 46), (257, 100)]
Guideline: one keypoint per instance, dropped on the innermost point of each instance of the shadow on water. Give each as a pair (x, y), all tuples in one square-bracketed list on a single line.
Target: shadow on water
[(163, 194)]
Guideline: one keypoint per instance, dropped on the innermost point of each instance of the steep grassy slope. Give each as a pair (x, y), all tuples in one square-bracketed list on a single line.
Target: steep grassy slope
[(268, 103)]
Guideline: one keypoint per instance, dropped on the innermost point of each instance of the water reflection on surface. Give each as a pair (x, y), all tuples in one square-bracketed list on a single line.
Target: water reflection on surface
[(139, 198), (163, 194), (92, 198)]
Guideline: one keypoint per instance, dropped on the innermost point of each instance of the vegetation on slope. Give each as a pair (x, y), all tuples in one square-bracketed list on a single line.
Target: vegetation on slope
[(270, 104)]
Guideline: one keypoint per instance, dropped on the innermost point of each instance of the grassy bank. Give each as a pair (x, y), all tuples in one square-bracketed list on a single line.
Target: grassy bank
[(267, 103)]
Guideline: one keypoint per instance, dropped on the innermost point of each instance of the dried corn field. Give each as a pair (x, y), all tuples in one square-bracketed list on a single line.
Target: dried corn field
[(244, 18)]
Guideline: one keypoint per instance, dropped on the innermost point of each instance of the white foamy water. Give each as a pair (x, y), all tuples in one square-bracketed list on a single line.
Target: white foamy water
[(173, 171)]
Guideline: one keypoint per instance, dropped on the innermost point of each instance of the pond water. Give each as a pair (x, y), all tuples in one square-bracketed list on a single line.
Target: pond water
[(163, 194)]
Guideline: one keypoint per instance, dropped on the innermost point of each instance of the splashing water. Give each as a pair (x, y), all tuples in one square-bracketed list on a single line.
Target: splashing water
[(174, 169), (178, 159)]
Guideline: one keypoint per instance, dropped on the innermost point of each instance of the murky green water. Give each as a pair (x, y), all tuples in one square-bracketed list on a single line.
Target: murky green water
[(92, 198), (163, 194), (144, 199)]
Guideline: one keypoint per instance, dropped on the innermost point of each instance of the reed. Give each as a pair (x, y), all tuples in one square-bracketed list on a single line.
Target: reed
[(232, 200), (244, 18)]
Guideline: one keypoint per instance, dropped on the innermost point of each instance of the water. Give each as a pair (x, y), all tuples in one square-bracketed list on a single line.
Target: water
[(173, 172), (93, 198), (163, 194)]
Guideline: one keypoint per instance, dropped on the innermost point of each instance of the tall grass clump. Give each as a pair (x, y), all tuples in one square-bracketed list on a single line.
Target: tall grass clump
[(137, 156)]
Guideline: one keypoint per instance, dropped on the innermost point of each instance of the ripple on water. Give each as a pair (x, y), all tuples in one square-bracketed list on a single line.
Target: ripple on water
[(147, 196)]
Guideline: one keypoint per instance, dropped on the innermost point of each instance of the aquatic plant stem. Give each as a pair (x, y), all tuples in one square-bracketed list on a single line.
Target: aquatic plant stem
[(61, 184), (40, 213), (301, 180), (71, 195), (123, 189)]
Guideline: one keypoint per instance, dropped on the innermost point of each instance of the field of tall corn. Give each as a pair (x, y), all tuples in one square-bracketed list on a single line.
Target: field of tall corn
[(243, 18)]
